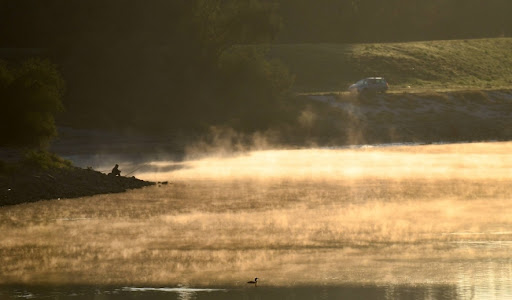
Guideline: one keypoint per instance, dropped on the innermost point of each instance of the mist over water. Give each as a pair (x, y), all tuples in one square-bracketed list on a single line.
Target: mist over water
[(452, 161), (427, 220)]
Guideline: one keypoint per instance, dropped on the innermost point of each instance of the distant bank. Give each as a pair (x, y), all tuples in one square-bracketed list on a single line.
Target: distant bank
[(426, 117)]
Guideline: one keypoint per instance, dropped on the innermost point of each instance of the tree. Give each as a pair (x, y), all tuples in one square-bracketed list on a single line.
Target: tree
[(154, 64), (31, 95)]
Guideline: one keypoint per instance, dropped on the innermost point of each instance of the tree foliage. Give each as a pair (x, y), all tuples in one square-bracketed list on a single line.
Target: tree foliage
[(356, 21), (31, 95), (253, 87), (158, 64), (181, 63)]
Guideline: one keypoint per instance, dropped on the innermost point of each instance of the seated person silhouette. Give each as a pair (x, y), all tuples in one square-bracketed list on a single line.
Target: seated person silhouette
[(115, 171)]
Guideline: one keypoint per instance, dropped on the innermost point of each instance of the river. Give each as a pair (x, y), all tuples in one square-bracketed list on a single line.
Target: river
[(398, 222)]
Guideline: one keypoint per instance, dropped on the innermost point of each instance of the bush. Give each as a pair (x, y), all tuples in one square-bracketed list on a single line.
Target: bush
[(44, 160)]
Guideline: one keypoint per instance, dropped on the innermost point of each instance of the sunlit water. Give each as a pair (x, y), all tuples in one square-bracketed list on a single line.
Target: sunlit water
[(410, 222)]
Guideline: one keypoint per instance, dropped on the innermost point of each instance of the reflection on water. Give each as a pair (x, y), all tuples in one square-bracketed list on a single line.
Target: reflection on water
[(348, 292), (415, 222), (182, 293), (296, 293)]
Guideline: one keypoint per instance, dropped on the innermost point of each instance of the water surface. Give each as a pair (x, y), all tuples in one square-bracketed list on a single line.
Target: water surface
[(404, 222)]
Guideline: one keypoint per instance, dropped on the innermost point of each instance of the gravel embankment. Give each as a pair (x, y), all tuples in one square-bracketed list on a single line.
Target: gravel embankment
[(29, 185)]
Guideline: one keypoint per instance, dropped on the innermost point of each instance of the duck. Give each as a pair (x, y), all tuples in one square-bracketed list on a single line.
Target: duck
[(255, 281)]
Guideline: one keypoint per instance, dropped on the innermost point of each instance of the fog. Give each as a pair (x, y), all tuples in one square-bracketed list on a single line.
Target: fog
[(397, 215), (450, 161)]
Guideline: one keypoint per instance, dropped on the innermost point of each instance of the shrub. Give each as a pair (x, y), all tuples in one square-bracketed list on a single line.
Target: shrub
[(44, 160)]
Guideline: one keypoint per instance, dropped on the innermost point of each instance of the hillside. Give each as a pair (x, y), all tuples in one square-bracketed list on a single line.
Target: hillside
[(429, 65)]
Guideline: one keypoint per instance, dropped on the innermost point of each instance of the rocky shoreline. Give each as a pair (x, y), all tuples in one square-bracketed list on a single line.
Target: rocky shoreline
[(24, 185)]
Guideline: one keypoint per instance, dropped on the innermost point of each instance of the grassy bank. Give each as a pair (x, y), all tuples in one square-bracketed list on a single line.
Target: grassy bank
[(437, 65)]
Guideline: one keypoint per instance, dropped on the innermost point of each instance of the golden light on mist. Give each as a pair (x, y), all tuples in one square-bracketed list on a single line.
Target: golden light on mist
[(407, 215), (461, 161)]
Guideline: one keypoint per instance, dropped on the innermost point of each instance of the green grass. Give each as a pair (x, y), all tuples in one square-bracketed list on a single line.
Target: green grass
[(44, 160), (439, 65)]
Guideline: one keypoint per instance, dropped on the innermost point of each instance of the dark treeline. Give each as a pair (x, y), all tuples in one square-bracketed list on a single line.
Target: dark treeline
[(354, 21), (164, 64), (156, 64), (50, 23)]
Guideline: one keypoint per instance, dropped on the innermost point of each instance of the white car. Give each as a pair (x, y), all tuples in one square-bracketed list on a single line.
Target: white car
[(370, 85)]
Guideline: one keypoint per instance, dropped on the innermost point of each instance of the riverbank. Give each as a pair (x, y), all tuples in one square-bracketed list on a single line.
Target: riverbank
[(427, 117), (22, 180)]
